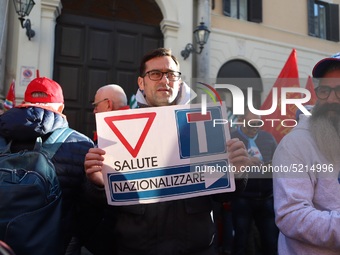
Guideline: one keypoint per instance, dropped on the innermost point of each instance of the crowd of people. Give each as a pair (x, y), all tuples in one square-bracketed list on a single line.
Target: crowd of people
[(293, 212)]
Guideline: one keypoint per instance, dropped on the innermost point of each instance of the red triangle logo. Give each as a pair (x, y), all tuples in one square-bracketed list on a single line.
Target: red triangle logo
[(133, 151)]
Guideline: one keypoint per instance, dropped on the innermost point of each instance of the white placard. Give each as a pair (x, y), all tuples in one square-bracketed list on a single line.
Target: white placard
[(164, 153)]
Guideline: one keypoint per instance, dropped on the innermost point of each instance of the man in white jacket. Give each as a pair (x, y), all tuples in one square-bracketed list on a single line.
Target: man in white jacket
[(306, 173)]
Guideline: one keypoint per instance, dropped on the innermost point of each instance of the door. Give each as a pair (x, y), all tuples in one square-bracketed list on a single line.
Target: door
[(91, 52)]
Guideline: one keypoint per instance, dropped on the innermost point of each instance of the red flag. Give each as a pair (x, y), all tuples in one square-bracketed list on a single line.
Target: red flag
[(10, 98), (289, 77), (310, 87)]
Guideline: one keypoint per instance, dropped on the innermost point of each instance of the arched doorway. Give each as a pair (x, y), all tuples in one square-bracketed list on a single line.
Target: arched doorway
[(98, 43), (243, 75)]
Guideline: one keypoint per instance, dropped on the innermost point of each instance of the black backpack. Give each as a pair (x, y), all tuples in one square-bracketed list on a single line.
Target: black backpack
[(30, 198)]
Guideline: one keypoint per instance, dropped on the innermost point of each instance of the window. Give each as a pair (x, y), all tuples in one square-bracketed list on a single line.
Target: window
[(250, 10), (243, 75), (323, 20), (236, 9)]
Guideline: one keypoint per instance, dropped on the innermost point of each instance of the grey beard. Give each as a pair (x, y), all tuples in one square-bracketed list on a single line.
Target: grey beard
[(326, 131)]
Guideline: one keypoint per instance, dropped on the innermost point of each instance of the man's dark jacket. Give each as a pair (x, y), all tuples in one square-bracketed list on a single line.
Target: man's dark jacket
[(24, 125), (179, 227)]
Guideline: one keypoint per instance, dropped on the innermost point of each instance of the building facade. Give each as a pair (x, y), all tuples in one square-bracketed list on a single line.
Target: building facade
[(86, 44)]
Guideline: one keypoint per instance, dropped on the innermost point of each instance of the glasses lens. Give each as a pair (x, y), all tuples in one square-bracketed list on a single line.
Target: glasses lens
[(158, 75), (323, 92), (337, 92), (254, 124), (174, 76), (155, 75)]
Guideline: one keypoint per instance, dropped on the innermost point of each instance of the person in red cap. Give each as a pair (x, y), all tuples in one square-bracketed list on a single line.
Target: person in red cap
[(46, 93), (40, 115), (306, 183)]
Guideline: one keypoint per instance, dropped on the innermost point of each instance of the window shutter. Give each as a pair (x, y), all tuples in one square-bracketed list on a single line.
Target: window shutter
[(311, 23), (226, 8), (255, 11), (332, 22)]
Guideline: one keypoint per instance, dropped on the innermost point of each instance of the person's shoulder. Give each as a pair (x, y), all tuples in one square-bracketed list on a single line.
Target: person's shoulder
[(79, 137), (13, 111), (77, 144), (265, 135), (300, 130), (299, 136)]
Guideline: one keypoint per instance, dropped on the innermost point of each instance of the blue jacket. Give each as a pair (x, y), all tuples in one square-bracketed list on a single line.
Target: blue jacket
[(259, 185), (24, 125)]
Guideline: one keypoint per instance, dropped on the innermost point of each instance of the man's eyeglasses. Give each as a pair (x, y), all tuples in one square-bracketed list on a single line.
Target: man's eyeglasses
[(323, 92), (95, 104), (255, 124), (156, 75)]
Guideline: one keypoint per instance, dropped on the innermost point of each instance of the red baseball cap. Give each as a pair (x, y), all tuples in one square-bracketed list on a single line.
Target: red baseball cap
[(322, 66), (53, 91)]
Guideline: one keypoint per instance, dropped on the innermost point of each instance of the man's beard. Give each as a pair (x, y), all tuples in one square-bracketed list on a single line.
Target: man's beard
[(325, 128)]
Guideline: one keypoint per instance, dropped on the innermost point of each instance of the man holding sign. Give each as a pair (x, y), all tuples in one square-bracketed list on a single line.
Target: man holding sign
[(182, 226)]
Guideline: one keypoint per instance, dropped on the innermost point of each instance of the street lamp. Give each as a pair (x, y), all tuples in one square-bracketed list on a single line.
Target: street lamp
[(201, 34), (23, 8)]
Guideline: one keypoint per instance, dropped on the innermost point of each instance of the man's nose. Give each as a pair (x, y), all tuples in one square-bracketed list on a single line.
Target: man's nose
[(165, 76)]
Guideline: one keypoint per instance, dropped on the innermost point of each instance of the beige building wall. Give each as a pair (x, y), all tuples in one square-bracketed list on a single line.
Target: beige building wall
[(267, 45), (37, 54)]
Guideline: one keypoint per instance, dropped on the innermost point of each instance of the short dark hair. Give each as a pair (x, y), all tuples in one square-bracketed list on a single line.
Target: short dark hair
[(159, 52)]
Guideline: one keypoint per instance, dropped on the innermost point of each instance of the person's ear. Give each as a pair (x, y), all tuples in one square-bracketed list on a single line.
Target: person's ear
[(61, 108), (110, 105), (141, 83)]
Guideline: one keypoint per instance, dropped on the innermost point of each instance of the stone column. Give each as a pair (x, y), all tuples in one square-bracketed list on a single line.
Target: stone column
[(50, 10), (203, 59), (3, 40)]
